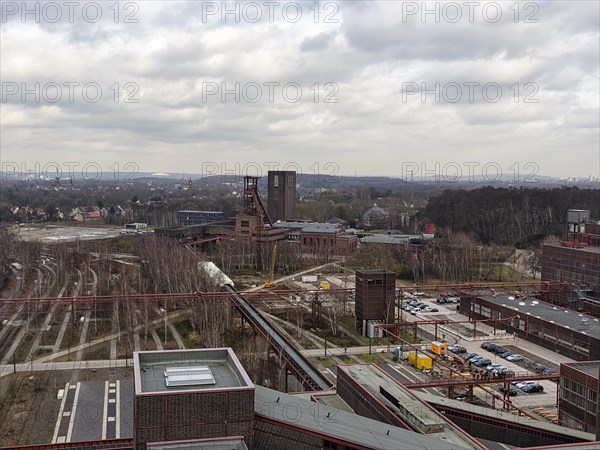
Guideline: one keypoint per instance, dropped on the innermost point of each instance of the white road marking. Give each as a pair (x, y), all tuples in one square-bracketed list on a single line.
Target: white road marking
[(117, 412), (60, 415), (105, 410), (73, 411)]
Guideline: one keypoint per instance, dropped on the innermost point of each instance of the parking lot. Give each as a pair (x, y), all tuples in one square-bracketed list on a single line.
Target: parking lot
[(533, 355)]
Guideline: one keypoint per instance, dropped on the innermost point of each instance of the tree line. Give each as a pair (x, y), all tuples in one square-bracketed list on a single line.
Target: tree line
[(519, 217)]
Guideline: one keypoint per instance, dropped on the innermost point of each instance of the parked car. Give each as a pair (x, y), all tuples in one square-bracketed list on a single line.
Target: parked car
[(457, 349), (497, 367), (431, 309), (522, 384), (511, 390), (468, 356), (505, 354), (442, 300), (486, 345), (483, 362), (515, 357), (531, 388), (508, 373), (499, 350), (549, 371), (476, 358)]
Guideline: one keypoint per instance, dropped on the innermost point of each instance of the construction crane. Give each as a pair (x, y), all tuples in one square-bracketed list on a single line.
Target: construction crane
[(271, 281)]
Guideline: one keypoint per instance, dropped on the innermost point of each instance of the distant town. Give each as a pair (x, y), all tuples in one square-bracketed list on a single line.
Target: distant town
[(288, 311)]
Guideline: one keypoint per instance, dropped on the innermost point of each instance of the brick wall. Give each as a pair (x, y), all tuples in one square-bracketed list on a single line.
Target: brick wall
[(194, 416)]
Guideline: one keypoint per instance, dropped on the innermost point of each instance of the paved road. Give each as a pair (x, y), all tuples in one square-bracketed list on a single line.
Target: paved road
[(94, 410), (67, 365)]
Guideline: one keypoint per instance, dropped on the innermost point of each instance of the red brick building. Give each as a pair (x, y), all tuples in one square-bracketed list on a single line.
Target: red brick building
[(579, 395)]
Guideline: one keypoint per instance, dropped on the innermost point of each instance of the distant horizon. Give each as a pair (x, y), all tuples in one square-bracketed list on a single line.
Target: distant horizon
[(32, 174), (366, 88)]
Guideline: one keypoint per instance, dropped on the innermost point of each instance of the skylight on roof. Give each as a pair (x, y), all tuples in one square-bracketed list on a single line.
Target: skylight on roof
[(188, 376)]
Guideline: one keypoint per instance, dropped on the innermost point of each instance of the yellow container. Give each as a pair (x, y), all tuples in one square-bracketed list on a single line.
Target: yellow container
[(439, 348), (419, 360)]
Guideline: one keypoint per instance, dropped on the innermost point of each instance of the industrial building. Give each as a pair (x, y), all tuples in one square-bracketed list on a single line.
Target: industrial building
[(375, 298), (320, 238), (564, 331), (281, 202), (188, 217), (579, 396), (194, 394), (576, 261), (204, 399), (254, 223), (371, 392)]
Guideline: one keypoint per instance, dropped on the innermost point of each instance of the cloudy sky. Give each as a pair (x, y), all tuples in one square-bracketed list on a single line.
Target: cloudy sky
[(353, 87)]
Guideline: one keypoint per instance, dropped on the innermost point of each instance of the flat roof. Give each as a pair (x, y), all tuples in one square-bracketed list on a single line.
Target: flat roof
[(309, 227), (350, 427), (567, 318), (503, 415), (149, 370), (589, 367), (388, 238), (373, 379), (590, 249)]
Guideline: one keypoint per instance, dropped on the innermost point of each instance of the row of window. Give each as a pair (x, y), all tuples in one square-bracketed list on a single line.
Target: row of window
[(497, 423), (318, 240)]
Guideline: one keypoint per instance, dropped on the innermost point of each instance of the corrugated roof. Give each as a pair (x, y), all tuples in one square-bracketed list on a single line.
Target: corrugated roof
[(343, 425)]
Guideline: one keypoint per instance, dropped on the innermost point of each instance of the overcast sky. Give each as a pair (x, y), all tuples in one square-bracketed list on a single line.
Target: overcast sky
[(333, 87)]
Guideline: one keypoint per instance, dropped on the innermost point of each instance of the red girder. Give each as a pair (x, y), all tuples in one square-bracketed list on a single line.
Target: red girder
[(466, 381), (264, 294)]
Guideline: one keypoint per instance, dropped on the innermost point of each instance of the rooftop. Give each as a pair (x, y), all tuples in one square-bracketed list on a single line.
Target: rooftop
[(309, 227), (554, 314), (503, 415), (408, 406), (225, 368), (590, 249), (326, 420), (589, 367), (389, 238)]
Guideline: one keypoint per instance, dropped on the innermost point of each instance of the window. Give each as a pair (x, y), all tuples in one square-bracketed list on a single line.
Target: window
[(245, 223)]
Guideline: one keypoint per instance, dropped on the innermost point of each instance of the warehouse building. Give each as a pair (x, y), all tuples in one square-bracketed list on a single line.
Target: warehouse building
[(576, 261), (204, 399), (579, 395), (188, 217), (565, 331)]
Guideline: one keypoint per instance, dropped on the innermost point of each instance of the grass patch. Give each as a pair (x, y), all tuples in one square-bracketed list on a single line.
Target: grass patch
[(42, 351), (371, 358), (326, 362), (346, 359), (193, 340), (409, 337), (500, 272)]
